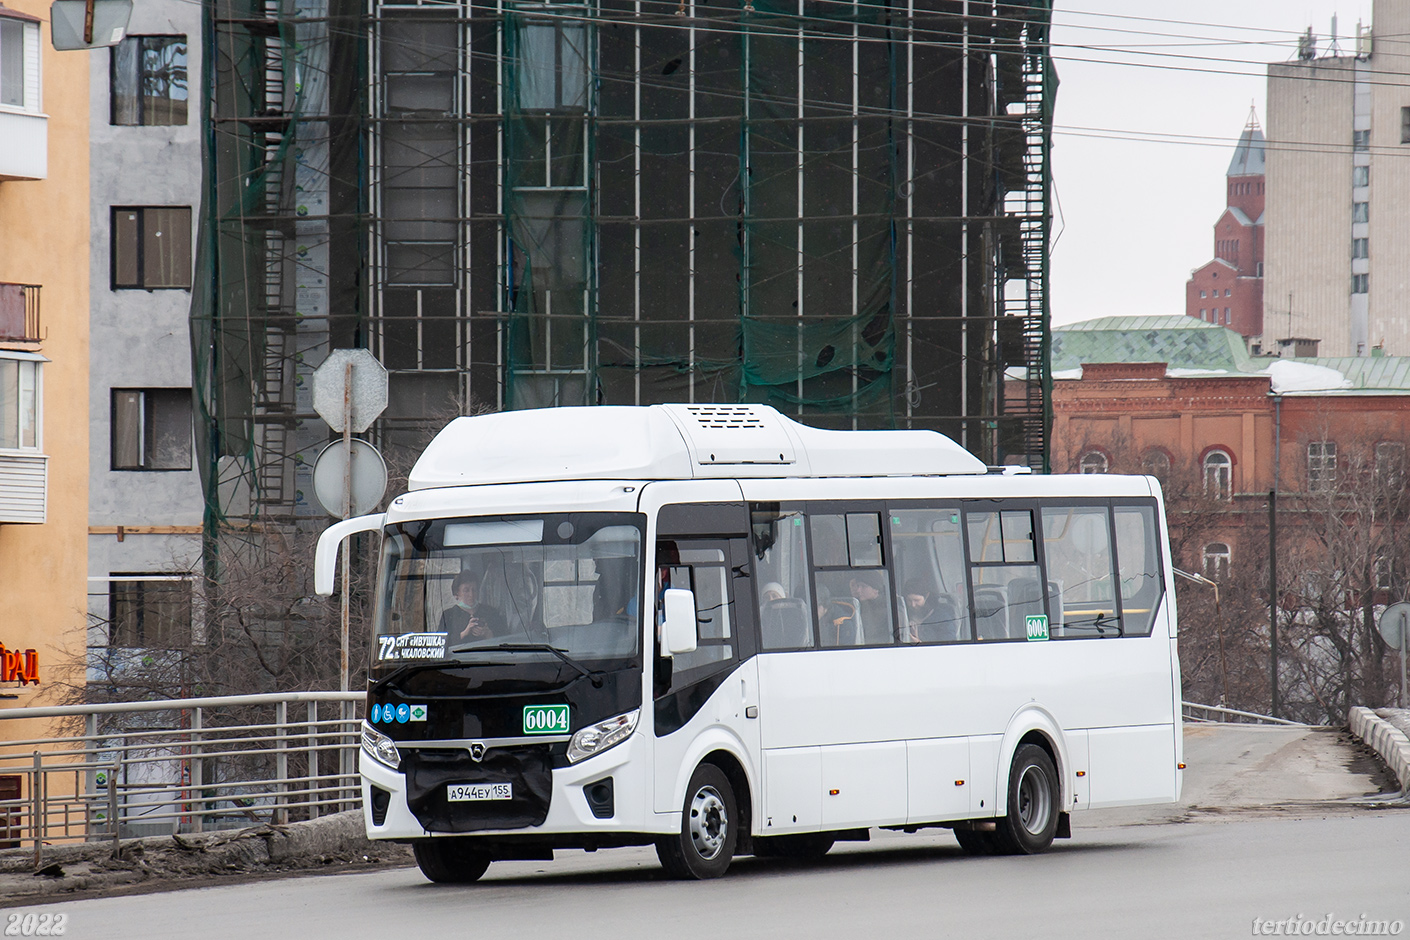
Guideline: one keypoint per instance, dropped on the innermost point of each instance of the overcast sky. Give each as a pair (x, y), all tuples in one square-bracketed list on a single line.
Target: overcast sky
[(1145, 129)]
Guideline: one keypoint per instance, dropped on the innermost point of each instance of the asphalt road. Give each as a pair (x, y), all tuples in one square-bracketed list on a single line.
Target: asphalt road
[(1275, 825)]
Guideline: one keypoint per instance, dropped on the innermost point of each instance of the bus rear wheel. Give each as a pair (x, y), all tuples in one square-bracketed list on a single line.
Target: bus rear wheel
[(705, 844), (450, 861), (1032, 818), (976, 842)]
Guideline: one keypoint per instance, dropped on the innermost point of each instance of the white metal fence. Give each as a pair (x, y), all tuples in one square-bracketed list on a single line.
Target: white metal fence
[(1193, 711), (177, 766)]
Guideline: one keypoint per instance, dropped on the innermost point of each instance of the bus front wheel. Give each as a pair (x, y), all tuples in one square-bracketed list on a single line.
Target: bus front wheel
[(705, 844), (450, 861), (1032, 818)]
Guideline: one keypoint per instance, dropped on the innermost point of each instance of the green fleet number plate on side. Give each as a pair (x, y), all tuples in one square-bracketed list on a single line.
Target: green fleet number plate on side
[(545, 719)]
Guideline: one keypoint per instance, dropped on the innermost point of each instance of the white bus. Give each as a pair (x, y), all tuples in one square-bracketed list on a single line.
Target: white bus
[(718, 631)]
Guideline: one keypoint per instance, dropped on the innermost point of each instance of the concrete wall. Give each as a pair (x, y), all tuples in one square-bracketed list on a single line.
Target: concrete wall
[(1390, 179), (44, 240), (1311, 109), (1307, 271), (141, 521)]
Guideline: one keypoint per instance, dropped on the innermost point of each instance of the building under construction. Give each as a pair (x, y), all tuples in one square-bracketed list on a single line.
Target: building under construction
[(837, 208)]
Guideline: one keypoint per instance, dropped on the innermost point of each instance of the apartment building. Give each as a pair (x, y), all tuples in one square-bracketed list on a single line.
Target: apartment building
[(1338, 178), (44, 295)]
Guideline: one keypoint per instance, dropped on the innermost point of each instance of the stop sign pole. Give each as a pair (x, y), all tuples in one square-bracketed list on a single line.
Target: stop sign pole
[(344, 625), (353, 406)]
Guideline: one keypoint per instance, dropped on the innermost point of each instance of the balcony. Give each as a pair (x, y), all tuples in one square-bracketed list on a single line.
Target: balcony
[(25, 155), (24, 487), (19, 313)]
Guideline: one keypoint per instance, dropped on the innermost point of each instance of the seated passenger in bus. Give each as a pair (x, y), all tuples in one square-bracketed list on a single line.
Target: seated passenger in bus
[(783, 621), (467, 618), (920, 609)]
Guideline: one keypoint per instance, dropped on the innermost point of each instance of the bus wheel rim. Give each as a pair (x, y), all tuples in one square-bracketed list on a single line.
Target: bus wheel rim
[(709, 822), (1034, 800)]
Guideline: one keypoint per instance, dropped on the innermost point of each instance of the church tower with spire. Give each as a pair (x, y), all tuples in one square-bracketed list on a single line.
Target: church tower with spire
[(1229, 289)]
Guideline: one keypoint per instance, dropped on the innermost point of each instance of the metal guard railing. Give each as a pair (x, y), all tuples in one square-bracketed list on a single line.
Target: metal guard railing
[(1193, 711), (178, 766)]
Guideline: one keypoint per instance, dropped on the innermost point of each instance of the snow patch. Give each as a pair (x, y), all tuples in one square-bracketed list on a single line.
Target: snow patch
[(1290, 376)]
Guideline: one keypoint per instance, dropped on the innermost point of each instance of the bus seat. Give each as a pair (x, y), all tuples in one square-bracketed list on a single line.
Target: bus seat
[(990, 604), (1055, 626), (785, 624), (903, 623), (945, 625), (1025, 598)]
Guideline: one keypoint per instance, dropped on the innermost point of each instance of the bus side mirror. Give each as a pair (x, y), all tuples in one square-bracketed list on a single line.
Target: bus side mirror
[(678, 632)]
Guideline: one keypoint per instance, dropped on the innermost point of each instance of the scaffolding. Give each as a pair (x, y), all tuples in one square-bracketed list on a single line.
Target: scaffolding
[(837, 207)]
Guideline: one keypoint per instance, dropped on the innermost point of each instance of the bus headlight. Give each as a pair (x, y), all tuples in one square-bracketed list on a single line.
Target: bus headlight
[(597, 738), (380, 747)]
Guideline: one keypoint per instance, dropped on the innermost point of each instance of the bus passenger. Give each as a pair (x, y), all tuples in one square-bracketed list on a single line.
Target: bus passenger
[(468, 619), (922, 613)]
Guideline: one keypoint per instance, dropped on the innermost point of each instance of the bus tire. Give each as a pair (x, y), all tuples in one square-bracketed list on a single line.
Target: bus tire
[(975, 842), (450, 861), (1032, 818), (808, 845), (705, 844)]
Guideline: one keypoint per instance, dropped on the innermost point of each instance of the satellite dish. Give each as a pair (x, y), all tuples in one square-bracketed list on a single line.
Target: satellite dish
[(88, 24)]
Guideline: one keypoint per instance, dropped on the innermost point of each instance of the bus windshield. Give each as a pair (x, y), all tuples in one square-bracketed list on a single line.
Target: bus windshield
[(453, 589)]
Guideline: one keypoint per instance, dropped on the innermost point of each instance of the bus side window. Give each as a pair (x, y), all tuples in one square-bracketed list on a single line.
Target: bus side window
[(855, 595), (1077, 546), (1004, 576), (781, 576), (1138, 559), (929, 562)]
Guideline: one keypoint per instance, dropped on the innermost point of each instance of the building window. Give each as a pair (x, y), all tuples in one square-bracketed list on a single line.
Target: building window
[(1360, 248), (1321, 466), (1405, 125), (1360, 176), (152, 247), (149, 611), (1360, 212), (1360, 140), (1202, 312), (1360, 283), (1216, 561), (1093, 461), (1385, 574), (1390, 463), (1156, 462), (19, 46), (19, 403), (151, 429), (1218, 474), (149, 80), (1227, 291), (1201, 295)]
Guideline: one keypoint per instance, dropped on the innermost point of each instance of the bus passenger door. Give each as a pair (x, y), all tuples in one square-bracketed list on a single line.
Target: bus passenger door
[(710, 692)]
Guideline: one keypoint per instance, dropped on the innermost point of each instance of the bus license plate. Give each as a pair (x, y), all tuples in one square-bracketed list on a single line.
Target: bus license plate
[(463, 792)]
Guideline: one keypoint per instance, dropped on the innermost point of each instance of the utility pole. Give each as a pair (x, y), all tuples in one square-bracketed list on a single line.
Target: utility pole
[(1273, 600)]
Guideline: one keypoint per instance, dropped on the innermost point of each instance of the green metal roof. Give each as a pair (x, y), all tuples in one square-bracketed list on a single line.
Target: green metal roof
[(1371, 373), (1184, 343), (1179, 341)]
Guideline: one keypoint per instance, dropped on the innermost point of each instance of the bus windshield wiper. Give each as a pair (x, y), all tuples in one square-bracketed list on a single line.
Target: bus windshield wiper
[(594, 677)]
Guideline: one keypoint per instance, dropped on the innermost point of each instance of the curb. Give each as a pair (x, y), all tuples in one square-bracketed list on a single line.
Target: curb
[(172, 857), (1386, 740)]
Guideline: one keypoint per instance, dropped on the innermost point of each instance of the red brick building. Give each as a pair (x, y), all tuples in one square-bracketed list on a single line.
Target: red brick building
[(1228, 291), (1185, 402)]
